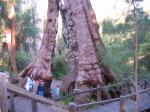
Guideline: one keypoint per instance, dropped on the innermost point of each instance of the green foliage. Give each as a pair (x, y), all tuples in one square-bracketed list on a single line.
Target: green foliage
[(26, 26), (4, 21), (66, 101), (119, 54), (119, 42), (22, 59), (109, 27), (145, 48), (29, 30), (60, 65), (6, 61), (145, 53), (3, 11), (6, 65)]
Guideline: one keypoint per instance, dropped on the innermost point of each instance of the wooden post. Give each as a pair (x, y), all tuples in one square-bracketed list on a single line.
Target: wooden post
[(98, 93), (3, 93), (72, 107), (122, 104), (34, 106), (12, 104), (76, 95)]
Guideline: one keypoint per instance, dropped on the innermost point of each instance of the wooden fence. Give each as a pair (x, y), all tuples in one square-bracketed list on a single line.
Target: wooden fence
[(73, 107), (98, 89), (6, 87)]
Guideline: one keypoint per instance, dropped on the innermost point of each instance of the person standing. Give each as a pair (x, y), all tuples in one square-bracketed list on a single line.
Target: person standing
[(40, 90), (29, 84)]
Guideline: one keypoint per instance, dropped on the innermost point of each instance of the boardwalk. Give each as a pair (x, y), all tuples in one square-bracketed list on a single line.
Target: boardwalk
[(26, 101), (24, 105), (130, 105)]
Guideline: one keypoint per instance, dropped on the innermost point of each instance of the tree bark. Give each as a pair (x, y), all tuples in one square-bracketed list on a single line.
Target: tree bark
[(97, 40), (40, 68), (83, 37), (13, 36), (88, 68), (69, 35), (84, 57)]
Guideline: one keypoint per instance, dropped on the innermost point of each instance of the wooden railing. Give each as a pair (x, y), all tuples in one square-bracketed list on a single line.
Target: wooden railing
[(98, 89), (73, 107), (6, 87)]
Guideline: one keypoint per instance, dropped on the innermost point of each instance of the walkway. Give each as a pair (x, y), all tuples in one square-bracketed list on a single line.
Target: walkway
[(130, 105)]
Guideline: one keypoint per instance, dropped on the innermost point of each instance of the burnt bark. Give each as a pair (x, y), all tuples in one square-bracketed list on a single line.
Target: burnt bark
[(40, 68)]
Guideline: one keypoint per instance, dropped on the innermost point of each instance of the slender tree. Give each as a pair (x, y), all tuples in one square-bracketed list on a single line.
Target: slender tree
[(9, 30), (11, 16), (136, 58)]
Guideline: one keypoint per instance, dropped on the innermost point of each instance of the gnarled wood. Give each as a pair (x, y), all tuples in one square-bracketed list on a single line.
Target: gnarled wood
[(40, 68), (83, 38)]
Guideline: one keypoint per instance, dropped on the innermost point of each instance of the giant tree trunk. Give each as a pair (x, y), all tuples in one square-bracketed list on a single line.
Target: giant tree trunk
[(88, 68), (81, 46), (40, 68), (83, 27)]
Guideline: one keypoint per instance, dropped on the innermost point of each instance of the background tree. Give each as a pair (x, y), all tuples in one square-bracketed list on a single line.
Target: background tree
[(25, 30), (8, 30), (120, 43)]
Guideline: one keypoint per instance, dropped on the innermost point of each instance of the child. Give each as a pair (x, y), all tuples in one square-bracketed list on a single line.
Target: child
[(40, 90), (29, 84)]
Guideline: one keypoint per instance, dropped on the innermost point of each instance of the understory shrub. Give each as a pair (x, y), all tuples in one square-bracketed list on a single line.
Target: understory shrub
[(22, 59), (60, 65)]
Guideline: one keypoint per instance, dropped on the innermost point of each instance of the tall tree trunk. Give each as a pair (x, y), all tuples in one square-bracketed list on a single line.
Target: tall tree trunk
[(13, 35), (40, 68), (12, 42), (69, 35), (88, 68), (91, 71)]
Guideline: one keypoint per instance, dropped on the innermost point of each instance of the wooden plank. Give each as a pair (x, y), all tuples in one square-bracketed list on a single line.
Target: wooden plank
[(130, 105), (3, 93), (122, 104), (76, 95), (98, 88), (109, 101), (12, 104), (27, 94), (34, 105), (98, 93), (72, 107)]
